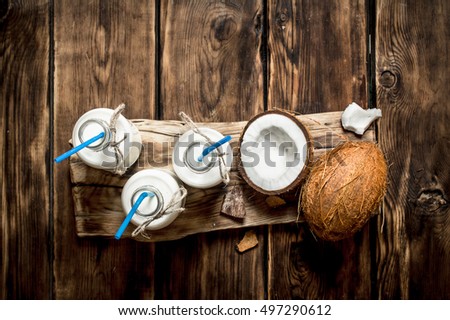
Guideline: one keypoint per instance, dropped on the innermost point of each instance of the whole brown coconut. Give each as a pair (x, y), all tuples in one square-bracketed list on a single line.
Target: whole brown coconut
[(344, 188)]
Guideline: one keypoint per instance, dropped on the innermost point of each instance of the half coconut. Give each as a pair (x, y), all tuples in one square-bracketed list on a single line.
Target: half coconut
[(275, 151)]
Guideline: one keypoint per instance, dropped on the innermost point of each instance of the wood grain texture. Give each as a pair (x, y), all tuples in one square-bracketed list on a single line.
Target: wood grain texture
[(211, 69), (317, 54), (317, 269), (222, 61), (98, 210), (413, 73), (104, 55), (317, 63), (24, 132), (208, 266), (211, 59)]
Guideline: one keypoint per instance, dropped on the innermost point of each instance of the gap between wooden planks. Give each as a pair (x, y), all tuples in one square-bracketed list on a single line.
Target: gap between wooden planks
[(96, 193)]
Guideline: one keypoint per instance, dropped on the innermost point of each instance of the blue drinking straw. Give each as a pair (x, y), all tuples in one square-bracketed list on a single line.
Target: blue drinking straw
[(79, 147), (130, 215), (212, 147)]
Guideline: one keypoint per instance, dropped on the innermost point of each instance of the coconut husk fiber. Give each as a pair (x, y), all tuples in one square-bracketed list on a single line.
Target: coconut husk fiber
[(345, 186)]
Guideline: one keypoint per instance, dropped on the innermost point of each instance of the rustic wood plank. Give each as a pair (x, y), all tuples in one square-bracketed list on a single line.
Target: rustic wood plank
[(159, 136), (98, 210), (208, 266), (211, 60), (413, 73), (104, 55), (24, 133), (317, 63), (317, 54)]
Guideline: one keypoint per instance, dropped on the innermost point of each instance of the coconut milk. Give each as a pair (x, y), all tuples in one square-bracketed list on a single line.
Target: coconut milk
[(100, 154), (163, 186), (206, 173)]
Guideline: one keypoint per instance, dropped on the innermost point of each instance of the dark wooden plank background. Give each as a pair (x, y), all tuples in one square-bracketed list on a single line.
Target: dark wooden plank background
[(26, 254), (104, 54), (210, 56), (412, 71), (224, 61), (314, 48)]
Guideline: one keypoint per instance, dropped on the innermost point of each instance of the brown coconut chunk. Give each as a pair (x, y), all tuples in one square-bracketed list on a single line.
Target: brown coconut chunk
[(248, 241), (275, 201), (233, 203)]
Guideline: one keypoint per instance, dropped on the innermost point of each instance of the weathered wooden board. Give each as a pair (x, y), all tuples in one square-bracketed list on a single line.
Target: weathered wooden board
[(104, 54), (211, 68), (317, 63), (317, 54), (25, 221), (413, 73), (223, 61), (98, 210)]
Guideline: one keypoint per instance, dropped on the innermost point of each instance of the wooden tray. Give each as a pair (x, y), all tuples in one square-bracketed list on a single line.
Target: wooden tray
[(96, 193)]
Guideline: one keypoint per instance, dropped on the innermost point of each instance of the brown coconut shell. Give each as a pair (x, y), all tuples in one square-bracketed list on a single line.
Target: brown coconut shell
[(344, 188), (303, 174)]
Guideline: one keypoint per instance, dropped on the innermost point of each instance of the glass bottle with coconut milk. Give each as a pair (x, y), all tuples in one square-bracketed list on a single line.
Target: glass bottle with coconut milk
[(152, 199), (202, 158), (120, 143)]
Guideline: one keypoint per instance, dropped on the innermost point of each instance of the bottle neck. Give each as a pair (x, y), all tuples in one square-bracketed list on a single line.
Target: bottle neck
[(192, 153), (91, 128), (152, 205)]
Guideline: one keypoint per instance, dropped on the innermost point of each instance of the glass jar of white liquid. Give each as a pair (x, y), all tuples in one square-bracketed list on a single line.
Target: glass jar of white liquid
[(164, 191), (194, 169), (106, 154)]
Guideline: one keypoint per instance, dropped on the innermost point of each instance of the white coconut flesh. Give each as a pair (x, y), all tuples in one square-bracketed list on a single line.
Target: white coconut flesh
[(274, 167)]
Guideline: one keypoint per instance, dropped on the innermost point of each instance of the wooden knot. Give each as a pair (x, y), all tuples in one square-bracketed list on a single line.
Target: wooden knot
[(282, 19), (388, 79), (5, 6), (258, 24), (431, 200), (224, 27)]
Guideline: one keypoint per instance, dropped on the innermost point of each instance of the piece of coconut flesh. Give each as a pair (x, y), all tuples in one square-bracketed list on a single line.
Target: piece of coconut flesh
[(273, 167), (356, 119)]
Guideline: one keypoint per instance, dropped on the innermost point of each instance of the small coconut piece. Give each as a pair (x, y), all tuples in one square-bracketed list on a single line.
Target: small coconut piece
[(248, 241), (275, 151), (233, 203), (275, 201), (344, 188), (356, 119)]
